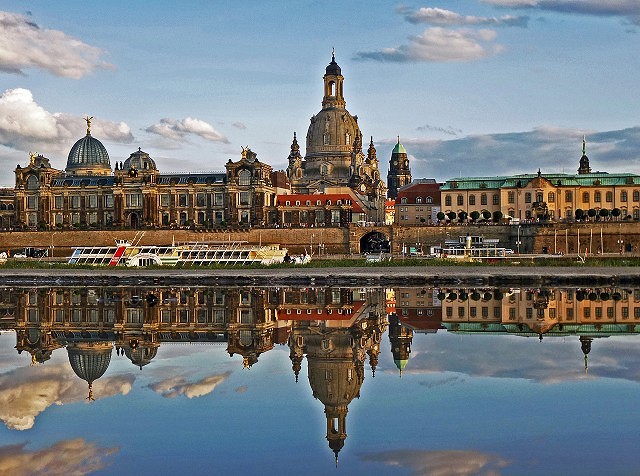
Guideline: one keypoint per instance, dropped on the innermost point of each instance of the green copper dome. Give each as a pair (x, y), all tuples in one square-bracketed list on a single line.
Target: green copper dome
[(399, 148), (88, 155)]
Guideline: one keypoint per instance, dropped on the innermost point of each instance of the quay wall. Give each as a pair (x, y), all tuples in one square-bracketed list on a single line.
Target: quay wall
[(593, 238)]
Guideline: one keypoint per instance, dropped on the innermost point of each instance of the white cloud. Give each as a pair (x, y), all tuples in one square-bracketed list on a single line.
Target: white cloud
[(610, 8), (440, 45), (439, 16), (239, 125), (441, 463), (28, 391), (65, 457), (178, 130), (176, 386), (27, 126), (25, 45)]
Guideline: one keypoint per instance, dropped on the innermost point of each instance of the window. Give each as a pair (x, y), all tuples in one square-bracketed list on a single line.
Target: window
[(447, 200), (133, 200), (609, 197), (108, 201), (244, 198), (335, 216), (32, 202), (496, 199), (164, 200), (623, 196), (419, 200), (568, 196), (93, 201), (429, 200), (460, 200), (527, 197), (511, 197), (218, 199), (244, 177), (585, 197), (58, 201), (636, 195), (75, 201), (483, 199), (552, 197), (539, 197), (183, 200), (403, 200), (326, 138), (472, 199), (596, 197)]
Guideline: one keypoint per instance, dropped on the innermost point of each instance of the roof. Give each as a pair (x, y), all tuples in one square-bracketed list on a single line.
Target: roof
[(417, 189), (514, 181), (88, 152), (399, 148), (324, 198)]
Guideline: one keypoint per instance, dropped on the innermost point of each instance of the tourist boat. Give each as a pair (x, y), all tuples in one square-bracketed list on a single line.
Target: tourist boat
[(127, 253), (471, 248)]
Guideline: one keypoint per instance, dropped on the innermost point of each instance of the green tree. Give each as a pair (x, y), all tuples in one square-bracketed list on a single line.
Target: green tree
[(486, 214), (474, 215), (451, 216), (579, 214), (497, 216), (440, 216)]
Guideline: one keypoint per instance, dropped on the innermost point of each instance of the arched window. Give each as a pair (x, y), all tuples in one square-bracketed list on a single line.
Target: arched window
[(403, 200), (347, 139), (447, 201), (609, 197), (429, 200), (32, 182), (326, 138), (552, 197), (460, 200), (539, 197), (483, 199), (472, 199), (419, 200), (244, 177)]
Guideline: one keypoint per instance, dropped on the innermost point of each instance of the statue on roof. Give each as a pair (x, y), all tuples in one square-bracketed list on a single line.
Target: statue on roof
[(88, 120)]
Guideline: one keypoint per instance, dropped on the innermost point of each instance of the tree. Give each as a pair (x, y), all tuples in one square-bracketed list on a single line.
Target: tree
[(486, 214), (451, 216), (462, 216), (604, 213), (591, 212), (475, 215), (497, 216), (440, 216), (579, 214), (615, 212)]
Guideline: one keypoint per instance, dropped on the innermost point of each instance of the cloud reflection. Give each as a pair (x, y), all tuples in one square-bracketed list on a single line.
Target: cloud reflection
[(65, 457), (175, 386), (28, 391), (441, 463)]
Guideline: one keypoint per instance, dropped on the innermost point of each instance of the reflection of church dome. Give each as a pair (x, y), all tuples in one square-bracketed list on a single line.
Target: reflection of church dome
[(88, 156), (139, 160), (141, 355), (89, 360)]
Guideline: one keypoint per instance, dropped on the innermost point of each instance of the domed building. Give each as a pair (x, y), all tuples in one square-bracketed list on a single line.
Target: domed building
[(90, 360), (88, 156), (334, 159)]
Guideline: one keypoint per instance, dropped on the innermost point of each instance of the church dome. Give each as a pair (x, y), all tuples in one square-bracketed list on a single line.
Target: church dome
[(332, 132), (88, 156), (89, 360), (139, 160)]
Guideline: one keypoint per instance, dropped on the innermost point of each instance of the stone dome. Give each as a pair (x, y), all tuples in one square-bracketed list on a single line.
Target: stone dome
[(139, 160), (88, 156), (332, 132)]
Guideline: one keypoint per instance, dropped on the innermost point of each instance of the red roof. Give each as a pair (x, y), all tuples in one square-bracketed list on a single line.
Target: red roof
[(324, 199), (414, 190), (321, 314)]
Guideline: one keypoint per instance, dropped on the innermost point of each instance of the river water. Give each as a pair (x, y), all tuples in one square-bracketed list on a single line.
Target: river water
[(319, 380)]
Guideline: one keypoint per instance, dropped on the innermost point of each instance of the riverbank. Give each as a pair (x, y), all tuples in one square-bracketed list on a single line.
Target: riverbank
[(338, 276)]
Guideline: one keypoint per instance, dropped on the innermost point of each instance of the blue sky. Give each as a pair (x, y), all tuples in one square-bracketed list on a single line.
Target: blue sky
[(471, 87)]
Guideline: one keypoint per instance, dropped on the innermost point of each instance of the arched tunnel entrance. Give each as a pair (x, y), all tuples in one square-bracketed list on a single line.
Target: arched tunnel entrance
[(374, 242)]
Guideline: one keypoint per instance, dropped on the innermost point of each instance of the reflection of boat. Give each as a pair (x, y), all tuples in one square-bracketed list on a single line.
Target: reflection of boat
[(187, 254), (470, 248)]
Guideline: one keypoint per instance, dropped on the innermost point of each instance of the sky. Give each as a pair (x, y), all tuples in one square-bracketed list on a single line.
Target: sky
[(472, 88)]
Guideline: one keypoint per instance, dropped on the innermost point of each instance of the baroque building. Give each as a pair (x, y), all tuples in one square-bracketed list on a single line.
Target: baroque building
[(399, 173), (557, 196), (135, 194), (334, 161)]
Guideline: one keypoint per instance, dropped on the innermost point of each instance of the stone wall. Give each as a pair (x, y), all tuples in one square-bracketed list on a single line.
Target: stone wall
[(341, 241)]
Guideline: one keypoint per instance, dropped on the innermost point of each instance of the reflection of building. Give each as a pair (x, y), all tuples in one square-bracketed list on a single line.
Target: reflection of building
[(336, 348)]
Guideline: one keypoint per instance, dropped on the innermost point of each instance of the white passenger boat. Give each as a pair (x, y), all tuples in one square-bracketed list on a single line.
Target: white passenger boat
[(126, 253), (471, 248)]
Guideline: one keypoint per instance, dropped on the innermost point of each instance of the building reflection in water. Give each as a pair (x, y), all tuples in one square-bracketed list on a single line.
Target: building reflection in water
[(338, 330)]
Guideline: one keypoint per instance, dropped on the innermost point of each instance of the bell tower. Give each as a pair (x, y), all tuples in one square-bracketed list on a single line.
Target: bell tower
[(333, 93)]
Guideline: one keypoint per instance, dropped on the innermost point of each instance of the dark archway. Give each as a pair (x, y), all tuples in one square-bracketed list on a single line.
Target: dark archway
[(374, 242), (134, 220)]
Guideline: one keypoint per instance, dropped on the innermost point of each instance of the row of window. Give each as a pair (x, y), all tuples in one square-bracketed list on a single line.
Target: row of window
[(539, 197), (529, 312), (419, 200)]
